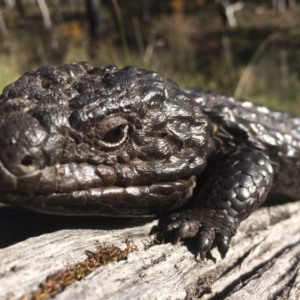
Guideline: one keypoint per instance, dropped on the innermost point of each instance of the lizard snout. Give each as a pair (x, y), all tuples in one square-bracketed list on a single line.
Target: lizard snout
[(21, 157)]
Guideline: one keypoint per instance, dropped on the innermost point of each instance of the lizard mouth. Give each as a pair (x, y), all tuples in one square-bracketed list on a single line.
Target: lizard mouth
[(76, 189)]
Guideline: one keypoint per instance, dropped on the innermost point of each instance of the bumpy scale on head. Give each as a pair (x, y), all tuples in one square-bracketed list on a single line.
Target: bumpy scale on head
[(84, 140)]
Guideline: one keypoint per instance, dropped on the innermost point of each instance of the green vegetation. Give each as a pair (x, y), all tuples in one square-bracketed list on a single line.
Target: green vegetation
[(8, 70), (258, 60)]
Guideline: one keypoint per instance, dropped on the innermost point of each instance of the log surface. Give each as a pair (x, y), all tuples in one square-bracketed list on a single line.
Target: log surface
[(263, 261)]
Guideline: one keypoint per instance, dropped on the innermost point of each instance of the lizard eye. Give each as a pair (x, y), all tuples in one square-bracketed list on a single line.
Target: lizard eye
[(112, 131), (116, 135)]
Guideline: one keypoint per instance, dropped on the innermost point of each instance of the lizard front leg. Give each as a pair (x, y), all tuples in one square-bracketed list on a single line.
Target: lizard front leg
[(238, 186)]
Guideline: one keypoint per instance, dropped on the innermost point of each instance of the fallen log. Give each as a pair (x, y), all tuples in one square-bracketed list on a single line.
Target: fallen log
[(263, 261)]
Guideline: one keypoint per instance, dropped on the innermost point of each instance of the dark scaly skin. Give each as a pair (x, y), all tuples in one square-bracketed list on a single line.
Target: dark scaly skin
[(79, 140)]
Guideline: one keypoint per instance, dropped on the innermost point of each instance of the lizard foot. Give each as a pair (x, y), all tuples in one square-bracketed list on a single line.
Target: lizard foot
[(211, 227)]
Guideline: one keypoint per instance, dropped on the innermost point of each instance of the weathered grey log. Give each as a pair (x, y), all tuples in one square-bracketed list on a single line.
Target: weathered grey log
[(262, 263)]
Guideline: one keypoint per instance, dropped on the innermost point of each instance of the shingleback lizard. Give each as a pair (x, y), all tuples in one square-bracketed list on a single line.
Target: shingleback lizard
[(83, 140)]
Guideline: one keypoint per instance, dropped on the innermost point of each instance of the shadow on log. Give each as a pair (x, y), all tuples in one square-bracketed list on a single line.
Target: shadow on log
[(262, 263)]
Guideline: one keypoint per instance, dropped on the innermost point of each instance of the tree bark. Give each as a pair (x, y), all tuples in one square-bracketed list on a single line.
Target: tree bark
[(263, 261)]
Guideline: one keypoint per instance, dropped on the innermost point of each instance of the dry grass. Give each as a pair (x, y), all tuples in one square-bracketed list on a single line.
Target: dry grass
[(185, 47)]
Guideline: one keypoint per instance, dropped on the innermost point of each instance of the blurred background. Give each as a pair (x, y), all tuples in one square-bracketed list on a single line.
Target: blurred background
[(248, 49)]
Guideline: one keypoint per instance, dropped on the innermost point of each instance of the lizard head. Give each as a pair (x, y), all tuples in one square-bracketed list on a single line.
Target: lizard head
[(82, 140)]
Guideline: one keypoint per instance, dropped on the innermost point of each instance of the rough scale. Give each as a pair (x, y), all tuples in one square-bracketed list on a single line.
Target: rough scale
[(82, 140)]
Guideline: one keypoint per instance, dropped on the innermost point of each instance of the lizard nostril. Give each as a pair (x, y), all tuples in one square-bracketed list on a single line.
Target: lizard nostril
[(27, 161)]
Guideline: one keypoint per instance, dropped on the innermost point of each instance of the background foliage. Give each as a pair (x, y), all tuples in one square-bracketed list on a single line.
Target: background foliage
[(258, 59)]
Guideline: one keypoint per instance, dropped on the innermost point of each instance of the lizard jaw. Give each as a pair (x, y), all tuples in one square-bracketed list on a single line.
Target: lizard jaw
[(131, 201)]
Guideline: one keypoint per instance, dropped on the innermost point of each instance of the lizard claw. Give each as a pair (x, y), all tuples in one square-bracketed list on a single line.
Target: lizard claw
[(209, 232), (222, 241), (205, 240)]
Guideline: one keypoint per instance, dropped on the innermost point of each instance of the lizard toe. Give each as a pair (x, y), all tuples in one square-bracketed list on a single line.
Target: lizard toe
[(222, 241), (210, 227), (206, 238)]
